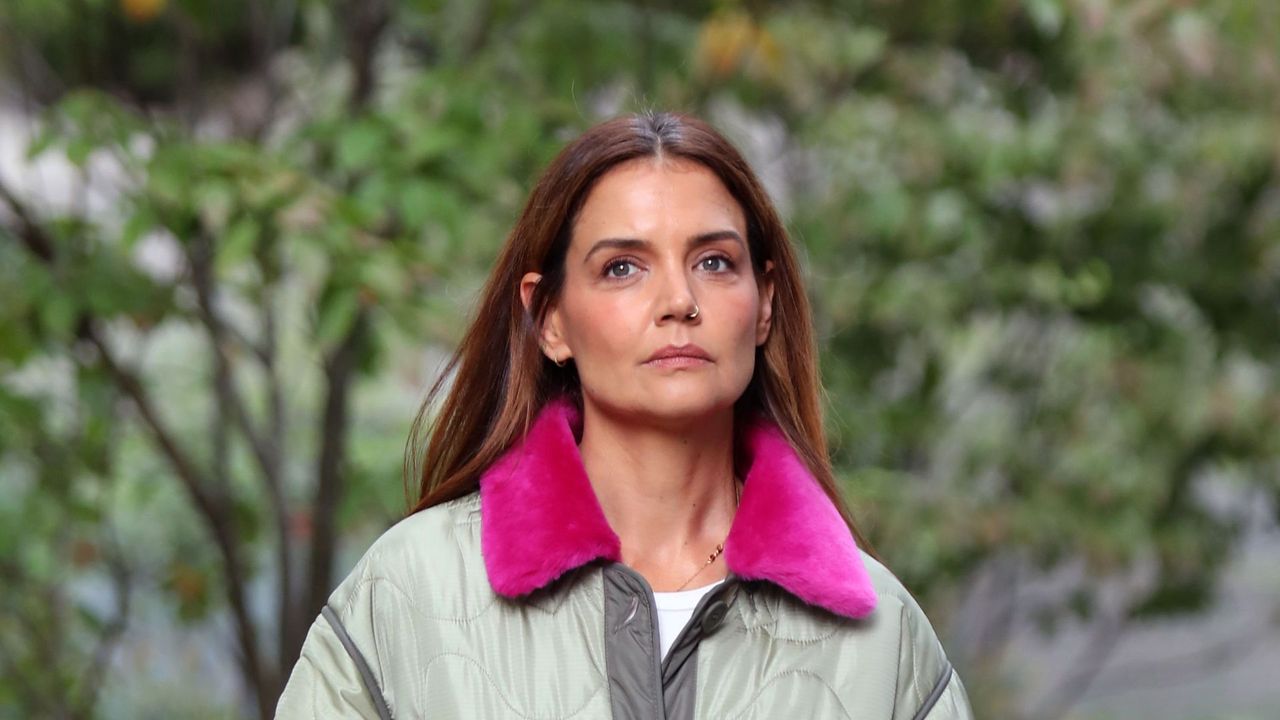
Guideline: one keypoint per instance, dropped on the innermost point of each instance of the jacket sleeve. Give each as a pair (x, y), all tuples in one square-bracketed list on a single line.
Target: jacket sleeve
[(929, 688), (952, 704), (337, 674)]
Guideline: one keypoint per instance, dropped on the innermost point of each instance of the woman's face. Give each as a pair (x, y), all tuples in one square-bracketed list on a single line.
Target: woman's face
[(654, 241)]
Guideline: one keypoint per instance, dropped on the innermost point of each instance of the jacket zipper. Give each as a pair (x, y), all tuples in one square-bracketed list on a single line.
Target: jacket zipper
[(695, 620)]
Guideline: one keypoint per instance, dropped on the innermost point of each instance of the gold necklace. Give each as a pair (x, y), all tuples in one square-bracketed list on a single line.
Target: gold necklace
[(737, 498)]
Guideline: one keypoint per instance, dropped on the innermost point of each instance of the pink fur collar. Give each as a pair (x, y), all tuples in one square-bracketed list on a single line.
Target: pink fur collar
[(540, 518)]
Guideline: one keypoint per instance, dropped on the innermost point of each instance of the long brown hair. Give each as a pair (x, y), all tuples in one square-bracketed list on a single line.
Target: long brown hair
[(500, 378)]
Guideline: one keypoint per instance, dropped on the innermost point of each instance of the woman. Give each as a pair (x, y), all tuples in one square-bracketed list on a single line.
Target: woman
[(626, 507)]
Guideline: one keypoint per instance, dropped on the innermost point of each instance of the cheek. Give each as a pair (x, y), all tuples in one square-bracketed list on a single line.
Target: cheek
[(601, 332), (740, 330), (744, 309)]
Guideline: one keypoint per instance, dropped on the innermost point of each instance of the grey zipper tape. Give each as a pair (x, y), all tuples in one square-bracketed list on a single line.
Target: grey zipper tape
[(938, 688), (370, 682)]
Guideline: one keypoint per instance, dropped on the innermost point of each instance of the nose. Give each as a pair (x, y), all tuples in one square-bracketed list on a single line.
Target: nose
[(678, 302)]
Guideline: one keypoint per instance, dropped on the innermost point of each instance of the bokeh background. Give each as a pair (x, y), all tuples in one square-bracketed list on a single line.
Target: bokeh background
[(238, 237)]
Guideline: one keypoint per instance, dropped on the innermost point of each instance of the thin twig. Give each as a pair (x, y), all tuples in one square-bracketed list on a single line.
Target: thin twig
[(215, 510), (267, 452), (291, 618), (1083, 670), (201, 262), (95, 671), (365, 22), (340, 370)]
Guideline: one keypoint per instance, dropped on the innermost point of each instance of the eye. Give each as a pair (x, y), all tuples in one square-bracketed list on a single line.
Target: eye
[(617, 268), (715, 263)]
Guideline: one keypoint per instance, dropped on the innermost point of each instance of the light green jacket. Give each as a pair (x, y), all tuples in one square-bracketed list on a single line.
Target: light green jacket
[(511, 603)]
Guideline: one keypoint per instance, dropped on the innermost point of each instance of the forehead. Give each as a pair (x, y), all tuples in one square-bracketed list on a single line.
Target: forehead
[(650, 198)]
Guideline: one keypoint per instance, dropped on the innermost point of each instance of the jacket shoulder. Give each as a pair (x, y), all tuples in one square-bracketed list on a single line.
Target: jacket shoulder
[(927, 685), (429, 529), (431, 560), (417, 572), (887, 585)]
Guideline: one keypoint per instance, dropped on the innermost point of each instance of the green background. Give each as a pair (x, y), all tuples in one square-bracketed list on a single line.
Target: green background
[(238, 238)]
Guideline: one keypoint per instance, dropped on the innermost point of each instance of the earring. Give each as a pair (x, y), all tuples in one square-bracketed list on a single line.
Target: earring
[(547, 354)]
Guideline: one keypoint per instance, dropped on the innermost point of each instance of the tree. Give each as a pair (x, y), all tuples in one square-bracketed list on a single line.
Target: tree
[(1042, 239)]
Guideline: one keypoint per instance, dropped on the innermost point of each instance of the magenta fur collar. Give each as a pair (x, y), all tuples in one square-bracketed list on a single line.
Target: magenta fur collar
[(540, 518)]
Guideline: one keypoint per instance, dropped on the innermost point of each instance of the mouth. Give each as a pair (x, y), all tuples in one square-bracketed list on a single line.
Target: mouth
[(679, 356)]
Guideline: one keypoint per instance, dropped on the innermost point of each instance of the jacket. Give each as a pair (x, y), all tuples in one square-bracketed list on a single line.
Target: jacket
[(512, 602)]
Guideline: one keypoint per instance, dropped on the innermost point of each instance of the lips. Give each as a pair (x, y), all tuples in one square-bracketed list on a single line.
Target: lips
[(677, 355)]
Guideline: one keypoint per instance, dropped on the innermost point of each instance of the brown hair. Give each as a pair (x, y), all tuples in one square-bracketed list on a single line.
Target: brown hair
[(500, 376)]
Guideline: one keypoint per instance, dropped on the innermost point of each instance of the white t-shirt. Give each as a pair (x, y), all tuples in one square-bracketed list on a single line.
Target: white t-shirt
[(674, 611)]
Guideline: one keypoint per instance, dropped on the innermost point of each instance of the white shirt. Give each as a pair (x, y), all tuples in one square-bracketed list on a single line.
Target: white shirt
[(674, 611)]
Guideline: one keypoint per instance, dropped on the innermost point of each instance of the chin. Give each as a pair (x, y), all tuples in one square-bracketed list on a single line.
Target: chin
[(672, 404)]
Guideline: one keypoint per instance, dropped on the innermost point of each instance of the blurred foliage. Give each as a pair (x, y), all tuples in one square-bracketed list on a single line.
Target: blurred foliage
[(1043, 238)]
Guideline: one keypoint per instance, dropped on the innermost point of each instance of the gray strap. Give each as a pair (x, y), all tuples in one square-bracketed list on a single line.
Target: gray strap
[(938, 688), (370, 683)]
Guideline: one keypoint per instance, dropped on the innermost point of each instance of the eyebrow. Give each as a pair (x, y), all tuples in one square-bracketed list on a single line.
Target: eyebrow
[(636, 243)]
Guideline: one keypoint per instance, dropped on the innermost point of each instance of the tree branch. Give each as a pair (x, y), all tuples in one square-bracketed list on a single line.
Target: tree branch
[(1001, 601), (36, 241), (365, 21), (269, 30), (292, 620), (24, 683), (266, 452), (258, 351), (1084, 669), (477, 36), (214, 509), (201, 261), (91, 681), (340, 370), (190, 92), (231, 407)]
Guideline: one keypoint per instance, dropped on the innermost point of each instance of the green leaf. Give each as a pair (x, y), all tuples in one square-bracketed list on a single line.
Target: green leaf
[(416, 199), (58, 315), (237, 244), (79, 149), (44, 140), (141, 221), (90, 618), (1046, 15), (430, 143), (337, 312), (384, 273), (360, 144)]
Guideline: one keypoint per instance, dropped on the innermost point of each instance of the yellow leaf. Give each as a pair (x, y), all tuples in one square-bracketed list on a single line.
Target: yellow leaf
[(723, 42), (141, 11)]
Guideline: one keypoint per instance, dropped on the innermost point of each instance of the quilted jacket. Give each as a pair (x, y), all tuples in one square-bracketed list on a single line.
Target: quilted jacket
[(513, 602)]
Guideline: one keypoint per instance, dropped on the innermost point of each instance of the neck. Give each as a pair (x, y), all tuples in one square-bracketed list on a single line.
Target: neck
[(666, 490)]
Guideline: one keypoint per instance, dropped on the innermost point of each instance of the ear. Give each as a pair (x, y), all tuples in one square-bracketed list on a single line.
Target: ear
[(764, 320), (551, 337)]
